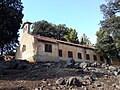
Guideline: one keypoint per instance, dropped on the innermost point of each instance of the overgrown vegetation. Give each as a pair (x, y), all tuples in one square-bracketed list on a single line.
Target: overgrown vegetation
[(108, 36)]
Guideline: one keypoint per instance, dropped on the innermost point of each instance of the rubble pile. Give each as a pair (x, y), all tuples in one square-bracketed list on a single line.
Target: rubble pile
[(70, 75)]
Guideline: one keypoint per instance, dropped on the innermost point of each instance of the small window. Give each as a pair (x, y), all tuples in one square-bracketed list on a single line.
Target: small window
[(79, 56), (87, 56), (101, 58), (25, 29), (60, 53), (95, 57), (70, 54), (24, 48), (48, 48)]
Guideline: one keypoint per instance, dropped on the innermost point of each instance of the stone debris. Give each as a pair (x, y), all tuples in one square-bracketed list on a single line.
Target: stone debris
[(70, 63), (61, 81), (83, 65), (22, 75)]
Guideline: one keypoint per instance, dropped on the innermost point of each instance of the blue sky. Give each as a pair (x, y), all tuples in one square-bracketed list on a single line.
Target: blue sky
[(82, 15)]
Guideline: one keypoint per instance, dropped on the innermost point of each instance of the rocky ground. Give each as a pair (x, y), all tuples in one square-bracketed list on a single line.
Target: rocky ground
[(22, 75)]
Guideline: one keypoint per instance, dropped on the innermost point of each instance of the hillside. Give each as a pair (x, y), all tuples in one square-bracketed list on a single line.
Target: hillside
[(22, 75)]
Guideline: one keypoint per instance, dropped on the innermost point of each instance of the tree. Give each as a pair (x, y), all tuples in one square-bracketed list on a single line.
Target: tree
[(110, 9), (43, 28), (60, 32), (105, 45), (10, 21), (84, 40), (108, 37), (72, 36)]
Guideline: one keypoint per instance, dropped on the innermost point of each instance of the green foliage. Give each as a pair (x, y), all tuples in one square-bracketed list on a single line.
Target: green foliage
[(84, 40), (72, 36), (105, 43), (43, 28), (10, 21), (111, 8), (108, 37), (60, 32)]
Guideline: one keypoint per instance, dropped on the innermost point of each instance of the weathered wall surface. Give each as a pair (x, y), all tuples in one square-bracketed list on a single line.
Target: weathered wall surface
[(65, 48), (41, 55), (33, 49), (28, 41)]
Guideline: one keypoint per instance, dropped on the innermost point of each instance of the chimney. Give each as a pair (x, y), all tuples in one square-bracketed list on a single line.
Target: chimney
[(26, 27)]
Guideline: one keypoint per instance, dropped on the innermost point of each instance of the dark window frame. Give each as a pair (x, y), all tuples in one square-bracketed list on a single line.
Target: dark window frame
[(87, 56), (60, 53), (95, 57), (48, 48), (24, 48), (101, 58), (70, 54), (79, 55)]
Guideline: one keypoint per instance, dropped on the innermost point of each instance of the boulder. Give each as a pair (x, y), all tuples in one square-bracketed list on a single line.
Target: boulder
[(77, 65), (87, 77), (74, 81), (61, 81), (95, 64), (112, 68), (94, 76), (104, 65), (70, 63), (115, 73), (83, 65), (39, 88)]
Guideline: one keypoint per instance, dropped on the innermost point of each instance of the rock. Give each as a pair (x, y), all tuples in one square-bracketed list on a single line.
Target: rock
[(98, 84), (112, 68), (21, 88), (86, 69), (83, 65), (39, 88), (76, 65), (87, 80), (70, 63), (47, 64), (61, 81), (104, 65), (74, 81), (115, 73), (116, 86), (94, 76), (94, 64)]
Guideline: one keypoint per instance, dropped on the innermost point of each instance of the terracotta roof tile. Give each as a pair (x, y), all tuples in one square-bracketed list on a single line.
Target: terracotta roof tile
[(45, 38), (42, 38)]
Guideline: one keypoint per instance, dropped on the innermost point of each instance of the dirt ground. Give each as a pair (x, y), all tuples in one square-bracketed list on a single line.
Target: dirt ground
[(43, 76)]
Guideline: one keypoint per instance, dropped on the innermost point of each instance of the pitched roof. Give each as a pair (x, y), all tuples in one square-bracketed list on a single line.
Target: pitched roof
[(42, 38), (25, 23)]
